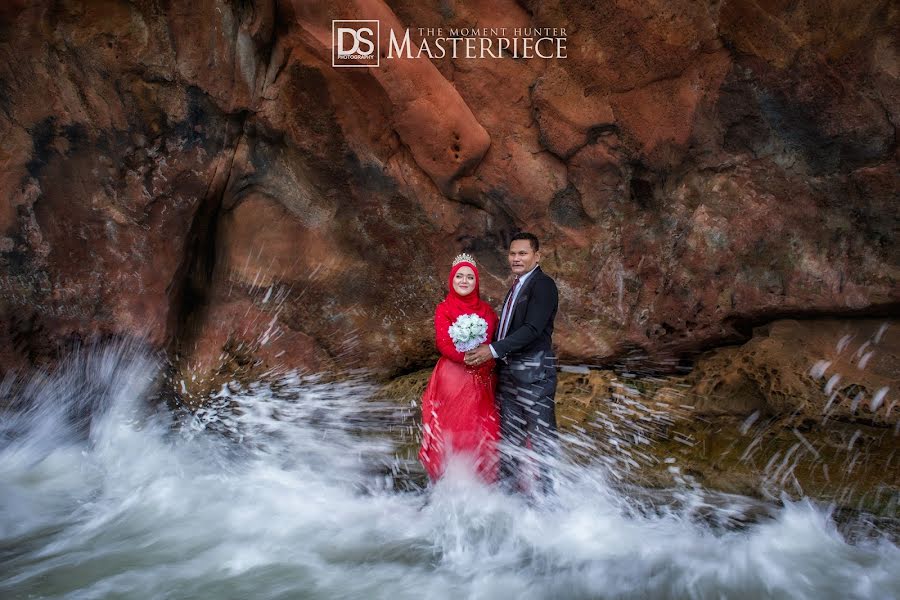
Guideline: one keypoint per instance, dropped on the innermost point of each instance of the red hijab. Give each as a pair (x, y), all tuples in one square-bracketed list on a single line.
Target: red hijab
[(470, 303)]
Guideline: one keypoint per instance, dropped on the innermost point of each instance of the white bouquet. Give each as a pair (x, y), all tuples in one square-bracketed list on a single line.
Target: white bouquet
[(468, 332)]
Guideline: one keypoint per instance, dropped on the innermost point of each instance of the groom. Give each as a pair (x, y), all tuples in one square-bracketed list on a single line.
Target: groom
[(523, 347)]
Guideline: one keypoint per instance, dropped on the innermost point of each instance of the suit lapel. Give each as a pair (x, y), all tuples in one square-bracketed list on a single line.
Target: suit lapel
[(525, 287), (524, 294), (505, 298), (502, 306)]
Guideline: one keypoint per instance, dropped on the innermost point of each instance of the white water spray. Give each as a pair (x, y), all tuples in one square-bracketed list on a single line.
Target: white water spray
[(291, 489)]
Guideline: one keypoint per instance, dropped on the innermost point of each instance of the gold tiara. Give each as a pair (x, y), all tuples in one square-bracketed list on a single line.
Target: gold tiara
[(464, 257)]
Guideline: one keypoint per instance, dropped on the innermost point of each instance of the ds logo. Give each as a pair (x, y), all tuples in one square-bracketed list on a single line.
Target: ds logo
[(354, 43)]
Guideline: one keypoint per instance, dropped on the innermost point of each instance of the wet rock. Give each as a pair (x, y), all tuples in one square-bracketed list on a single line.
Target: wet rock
[(812, 371), (763, 419)]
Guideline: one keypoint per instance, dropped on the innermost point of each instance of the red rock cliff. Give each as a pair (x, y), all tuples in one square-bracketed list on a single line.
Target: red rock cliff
[(198, 174)]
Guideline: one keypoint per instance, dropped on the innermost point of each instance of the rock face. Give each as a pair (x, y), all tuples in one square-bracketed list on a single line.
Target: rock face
[(813, 370), (808, 407), (198, 175)]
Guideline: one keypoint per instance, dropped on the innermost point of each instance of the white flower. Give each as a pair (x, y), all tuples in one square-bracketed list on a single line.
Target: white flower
[(468, 332)]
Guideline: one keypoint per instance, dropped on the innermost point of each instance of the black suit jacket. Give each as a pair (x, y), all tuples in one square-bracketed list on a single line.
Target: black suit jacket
[(530, 330)]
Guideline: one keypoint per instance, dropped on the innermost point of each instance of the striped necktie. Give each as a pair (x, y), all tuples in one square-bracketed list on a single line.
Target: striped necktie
[(507, 310)]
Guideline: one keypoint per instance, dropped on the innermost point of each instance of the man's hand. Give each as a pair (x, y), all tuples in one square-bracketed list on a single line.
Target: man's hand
[(479, 355)]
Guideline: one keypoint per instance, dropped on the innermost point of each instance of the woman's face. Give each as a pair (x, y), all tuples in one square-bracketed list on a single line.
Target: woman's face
[(464, 281)]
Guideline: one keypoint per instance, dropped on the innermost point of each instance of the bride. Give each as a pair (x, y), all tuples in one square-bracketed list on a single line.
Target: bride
[(459, 415)]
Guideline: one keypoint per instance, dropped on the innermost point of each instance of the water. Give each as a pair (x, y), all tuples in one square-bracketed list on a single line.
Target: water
[(293, 490)]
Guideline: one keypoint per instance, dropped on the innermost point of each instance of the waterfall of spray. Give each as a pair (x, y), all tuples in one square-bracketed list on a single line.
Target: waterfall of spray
[(289, 488)]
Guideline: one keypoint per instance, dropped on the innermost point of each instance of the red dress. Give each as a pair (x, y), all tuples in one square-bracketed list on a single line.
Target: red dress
[(459, 414)]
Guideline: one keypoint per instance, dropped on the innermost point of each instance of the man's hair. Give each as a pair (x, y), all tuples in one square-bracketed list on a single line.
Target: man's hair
[(524, 235)]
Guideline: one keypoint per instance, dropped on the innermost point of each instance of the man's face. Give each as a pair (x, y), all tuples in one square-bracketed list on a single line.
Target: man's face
[(522, 257)]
